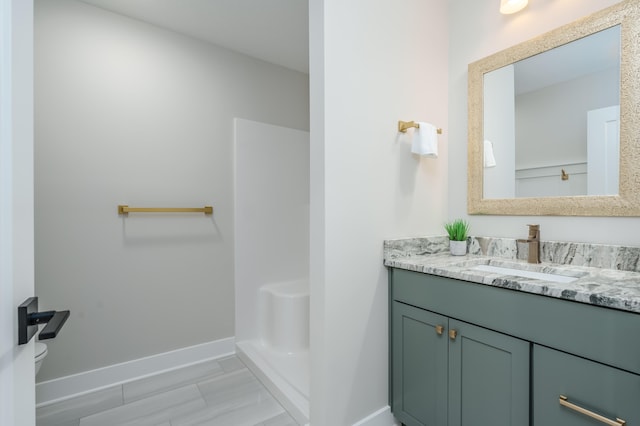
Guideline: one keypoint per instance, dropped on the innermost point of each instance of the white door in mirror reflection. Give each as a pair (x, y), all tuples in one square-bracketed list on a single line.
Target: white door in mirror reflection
[(603, 150)]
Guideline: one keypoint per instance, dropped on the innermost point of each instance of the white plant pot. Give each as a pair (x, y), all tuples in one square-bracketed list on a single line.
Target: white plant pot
[(458, 248)]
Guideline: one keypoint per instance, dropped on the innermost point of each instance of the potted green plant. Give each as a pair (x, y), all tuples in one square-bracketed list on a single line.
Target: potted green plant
[(458, 231)]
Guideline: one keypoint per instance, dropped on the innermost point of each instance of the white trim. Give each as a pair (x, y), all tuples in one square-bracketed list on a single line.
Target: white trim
[(16, 208), (551, 170), (382, 417), (62, 388)]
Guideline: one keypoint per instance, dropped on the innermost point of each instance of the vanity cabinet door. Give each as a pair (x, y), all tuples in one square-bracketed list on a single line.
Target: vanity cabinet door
[(419, 366), (597, 388), (488, 377)]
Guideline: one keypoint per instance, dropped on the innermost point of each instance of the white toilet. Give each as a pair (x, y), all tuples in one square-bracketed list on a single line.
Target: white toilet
[(40, 354)]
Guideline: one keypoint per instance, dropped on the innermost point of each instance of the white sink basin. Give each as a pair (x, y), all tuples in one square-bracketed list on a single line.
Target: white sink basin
[(525, 274)]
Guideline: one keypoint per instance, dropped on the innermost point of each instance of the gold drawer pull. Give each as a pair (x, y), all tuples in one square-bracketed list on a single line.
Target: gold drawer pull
[(439, 329), (565, 402), (452, 334)]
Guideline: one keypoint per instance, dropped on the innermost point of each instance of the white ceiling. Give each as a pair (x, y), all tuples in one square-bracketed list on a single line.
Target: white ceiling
[(276, 31), (581, 57)]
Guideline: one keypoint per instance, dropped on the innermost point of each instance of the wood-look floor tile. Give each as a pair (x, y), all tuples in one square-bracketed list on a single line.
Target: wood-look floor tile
[(154, 410), (163, 382), (70, 411), (231, 363), (74, 422), (283, 419), (222, 392), (230, 388), (240, 412)]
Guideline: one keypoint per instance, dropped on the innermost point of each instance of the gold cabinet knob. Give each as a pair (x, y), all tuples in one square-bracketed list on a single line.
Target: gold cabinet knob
[(439, 329), (452, 334)]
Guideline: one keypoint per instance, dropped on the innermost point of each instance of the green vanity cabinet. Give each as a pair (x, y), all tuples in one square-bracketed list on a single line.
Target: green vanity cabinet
[(449, 372), (465, 354), (583, 385), (488, 377), (419, 369)]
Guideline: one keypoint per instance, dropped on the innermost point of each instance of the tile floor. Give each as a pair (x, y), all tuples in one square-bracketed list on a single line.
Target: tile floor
[(221, 392)]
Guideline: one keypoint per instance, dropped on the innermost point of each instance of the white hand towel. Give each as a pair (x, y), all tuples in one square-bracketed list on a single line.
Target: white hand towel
[(425, 140), (489, 159)]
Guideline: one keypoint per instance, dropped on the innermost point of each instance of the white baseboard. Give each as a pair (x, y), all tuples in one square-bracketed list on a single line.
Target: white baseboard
[(62, 388), (382, 417)]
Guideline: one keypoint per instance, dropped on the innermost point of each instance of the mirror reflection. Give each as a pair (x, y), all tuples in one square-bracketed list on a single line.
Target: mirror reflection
[(551, 122)]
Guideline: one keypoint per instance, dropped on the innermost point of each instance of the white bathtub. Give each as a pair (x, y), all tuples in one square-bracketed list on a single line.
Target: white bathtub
[(284, 316)]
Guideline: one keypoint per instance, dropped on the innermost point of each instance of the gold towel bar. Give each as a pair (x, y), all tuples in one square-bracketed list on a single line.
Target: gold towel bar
[(123, 209), (404, 125)]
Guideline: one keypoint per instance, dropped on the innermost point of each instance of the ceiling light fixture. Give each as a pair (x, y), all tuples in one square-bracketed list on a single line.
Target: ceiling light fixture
[(512, 6)]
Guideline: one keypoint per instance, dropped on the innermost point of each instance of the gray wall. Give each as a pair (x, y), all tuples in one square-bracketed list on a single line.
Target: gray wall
[(476, 30), (127, 113), (551, 123)]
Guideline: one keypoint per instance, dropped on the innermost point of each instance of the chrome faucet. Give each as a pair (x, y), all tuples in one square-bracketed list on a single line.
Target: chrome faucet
[(534, 243)]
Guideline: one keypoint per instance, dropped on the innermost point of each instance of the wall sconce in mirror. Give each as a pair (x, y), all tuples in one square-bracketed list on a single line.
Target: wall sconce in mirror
[(508, 7)]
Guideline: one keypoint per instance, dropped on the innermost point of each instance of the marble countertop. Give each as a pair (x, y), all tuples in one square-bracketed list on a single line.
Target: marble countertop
[(607, 287)]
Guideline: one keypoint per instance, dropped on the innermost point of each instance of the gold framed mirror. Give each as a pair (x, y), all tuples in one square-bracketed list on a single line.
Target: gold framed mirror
[(620, 196)]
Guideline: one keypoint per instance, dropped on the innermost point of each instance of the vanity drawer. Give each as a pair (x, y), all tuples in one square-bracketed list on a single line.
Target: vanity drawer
[(598, 388)]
